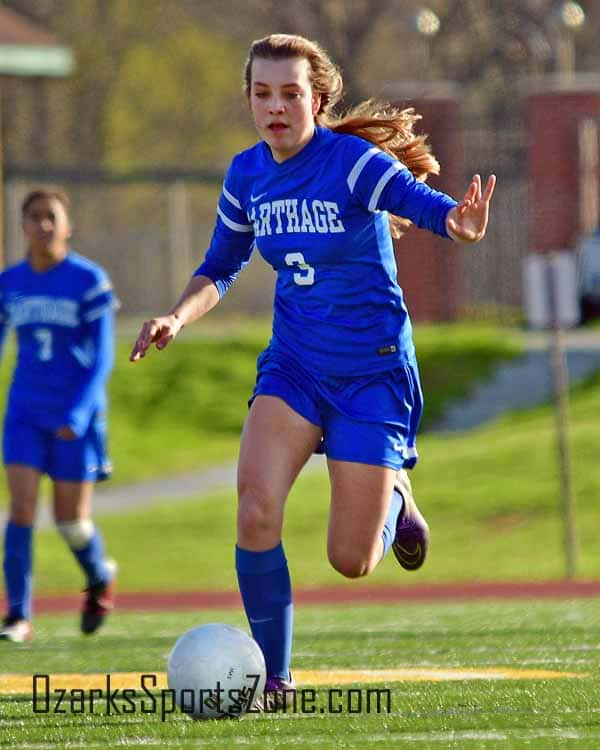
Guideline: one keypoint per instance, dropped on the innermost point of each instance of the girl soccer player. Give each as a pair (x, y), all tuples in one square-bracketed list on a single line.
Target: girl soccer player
[(318, 196), (62, 308)]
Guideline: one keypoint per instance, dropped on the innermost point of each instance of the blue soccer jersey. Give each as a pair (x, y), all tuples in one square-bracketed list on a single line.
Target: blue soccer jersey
[(64, 322), (321, 220)]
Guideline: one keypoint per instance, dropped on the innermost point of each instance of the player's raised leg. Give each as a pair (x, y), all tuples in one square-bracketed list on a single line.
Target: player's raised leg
[(23, 485), (363, 504), (72, 512), (276, 443), (373, 510)]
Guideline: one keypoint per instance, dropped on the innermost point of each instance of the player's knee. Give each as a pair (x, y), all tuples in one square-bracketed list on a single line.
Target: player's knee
[(76, 534), (349, 563), (23, 505), (23, 515), (257, 514)]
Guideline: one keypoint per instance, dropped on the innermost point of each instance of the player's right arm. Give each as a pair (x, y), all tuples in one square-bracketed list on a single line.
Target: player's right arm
[(229, 251), (199, 296)]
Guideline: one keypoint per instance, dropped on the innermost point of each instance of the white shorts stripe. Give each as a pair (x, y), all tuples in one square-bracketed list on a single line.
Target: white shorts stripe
[(233, 224), (231, 198), (359, 166), (383, 181)]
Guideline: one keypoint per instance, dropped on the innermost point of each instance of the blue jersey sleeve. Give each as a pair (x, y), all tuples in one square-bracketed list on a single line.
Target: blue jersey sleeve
[(232, 241), (381, 183), (96, 354)]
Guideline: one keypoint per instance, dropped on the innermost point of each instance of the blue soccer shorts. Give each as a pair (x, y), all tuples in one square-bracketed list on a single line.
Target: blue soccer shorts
[(370, 419), (81, 460)]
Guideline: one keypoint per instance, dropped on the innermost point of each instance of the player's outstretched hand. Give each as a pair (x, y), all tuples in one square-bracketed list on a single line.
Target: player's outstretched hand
[(160, 331), (468, 220)]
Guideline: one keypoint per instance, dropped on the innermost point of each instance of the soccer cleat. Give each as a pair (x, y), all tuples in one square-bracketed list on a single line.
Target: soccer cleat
[(16, 630), (278, 695), (412, 532), (99, 601)]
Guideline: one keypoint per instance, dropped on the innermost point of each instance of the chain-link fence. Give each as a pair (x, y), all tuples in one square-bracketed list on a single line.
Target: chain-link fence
[(150, 232)]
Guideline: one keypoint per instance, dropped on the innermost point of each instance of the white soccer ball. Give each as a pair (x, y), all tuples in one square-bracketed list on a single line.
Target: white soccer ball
[(216, 671)]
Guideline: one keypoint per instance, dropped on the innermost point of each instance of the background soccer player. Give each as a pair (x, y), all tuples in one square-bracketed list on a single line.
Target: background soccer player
[(62, 308), (316, 197)]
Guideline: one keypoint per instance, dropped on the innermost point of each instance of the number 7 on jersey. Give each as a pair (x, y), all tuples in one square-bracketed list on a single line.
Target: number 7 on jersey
[(44, 339)]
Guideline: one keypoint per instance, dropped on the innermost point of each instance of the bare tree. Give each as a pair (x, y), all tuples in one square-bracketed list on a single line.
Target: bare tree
[(343, 28)]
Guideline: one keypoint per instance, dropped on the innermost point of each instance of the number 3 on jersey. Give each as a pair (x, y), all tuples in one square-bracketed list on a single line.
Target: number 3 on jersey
[(44, 339), (307, 275)]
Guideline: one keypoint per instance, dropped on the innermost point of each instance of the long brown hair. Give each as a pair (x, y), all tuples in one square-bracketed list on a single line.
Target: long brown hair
[(387, 127)]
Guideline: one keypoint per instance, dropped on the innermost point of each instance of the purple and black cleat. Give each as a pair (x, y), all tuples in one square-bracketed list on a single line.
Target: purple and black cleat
[(412, 532), (279, 695)]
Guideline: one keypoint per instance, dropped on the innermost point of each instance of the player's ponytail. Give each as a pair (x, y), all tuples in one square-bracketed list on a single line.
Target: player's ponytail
[(387, 127), (390, 129)]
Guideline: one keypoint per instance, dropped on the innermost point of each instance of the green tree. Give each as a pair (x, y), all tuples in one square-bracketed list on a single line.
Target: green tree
[(133, 54), (176, 102)]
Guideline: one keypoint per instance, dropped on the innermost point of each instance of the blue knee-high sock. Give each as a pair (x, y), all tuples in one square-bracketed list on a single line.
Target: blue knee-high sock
[(91, 559), (266, 591), (389, 528), (17, 569)]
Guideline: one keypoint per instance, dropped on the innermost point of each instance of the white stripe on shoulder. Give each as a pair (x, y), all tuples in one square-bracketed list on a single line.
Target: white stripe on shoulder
[(96, 291), (97, 312), (233, 224), (383, 181), (231, 198), (359, 166)]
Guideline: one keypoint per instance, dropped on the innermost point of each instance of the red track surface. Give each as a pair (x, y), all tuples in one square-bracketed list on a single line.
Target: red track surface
[(173, 600)]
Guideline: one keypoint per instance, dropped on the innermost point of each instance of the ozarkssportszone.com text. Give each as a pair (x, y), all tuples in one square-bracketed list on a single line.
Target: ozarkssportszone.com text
[(149, 699)]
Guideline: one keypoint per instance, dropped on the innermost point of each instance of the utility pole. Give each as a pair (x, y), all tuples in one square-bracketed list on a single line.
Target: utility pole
[(560, 380)]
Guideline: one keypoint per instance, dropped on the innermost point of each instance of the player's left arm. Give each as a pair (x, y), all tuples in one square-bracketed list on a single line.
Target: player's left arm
[(381, 183), (468, 220), (96, 358)]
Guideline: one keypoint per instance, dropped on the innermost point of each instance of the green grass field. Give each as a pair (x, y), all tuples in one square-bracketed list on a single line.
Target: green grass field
[(462, 714), (491, 496)]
